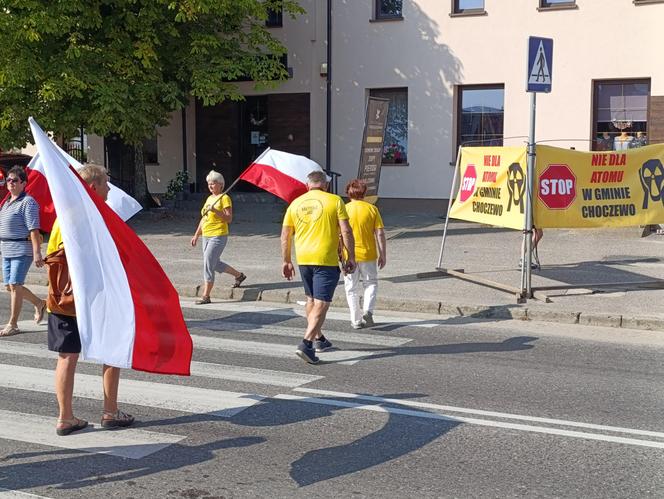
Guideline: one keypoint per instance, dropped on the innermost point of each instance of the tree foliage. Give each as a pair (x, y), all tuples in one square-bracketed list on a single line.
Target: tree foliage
[(122, 66)]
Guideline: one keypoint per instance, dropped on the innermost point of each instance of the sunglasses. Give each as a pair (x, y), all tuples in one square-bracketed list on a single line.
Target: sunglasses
[(11, 180)]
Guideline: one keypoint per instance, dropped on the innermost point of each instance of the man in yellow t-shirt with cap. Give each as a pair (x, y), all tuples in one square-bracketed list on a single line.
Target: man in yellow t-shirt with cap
[(316, 219)]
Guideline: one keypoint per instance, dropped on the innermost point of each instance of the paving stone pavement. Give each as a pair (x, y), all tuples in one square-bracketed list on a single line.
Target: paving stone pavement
[(569, 257)]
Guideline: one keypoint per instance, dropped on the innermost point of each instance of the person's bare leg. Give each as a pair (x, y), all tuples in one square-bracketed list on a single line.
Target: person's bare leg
[(31, 297), (315, 319), (230, 270), (207, 289), (16, 303), (308, 307), (64, 384), (111, 377)]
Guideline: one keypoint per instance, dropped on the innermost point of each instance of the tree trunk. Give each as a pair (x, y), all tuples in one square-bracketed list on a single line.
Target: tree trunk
[(140, 179)]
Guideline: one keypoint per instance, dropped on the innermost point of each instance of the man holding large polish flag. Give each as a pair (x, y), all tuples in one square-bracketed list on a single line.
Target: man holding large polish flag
[(111, 271)]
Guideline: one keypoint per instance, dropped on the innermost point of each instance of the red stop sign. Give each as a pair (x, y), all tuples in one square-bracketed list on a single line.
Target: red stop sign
[(557, 187), (468, 183)]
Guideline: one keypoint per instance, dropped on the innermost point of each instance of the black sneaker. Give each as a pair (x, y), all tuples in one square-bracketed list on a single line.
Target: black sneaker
[(368, 319), (321, 346), (307, 354)]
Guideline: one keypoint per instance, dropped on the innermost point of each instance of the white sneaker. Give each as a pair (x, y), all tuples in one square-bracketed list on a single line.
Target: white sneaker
[(359, 325)]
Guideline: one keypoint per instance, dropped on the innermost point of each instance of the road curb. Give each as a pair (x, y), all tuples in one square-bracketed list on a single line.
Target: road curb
[(506, 312)]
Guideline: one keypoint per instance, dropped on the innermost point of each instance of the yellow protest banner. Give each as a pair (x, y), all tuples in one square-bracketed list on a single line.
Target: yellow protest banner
[(492, 187), (577, 189)]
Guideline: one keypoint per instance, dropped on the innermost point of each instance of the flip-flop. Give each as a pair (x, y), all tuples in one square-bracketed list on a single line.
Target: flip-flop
[(75, 424), (39, 315)]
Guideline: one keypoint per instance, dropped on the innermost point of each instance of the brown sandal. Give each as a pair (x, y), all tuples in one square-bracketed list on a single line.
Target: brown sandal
[(239, 280), (9, 330), (203, 301), (75, 424), (117, 419)]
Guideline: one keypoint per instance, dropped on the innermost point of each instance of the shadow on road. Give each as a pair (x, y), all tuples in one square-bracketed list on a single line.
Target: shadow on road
[(84, 470)]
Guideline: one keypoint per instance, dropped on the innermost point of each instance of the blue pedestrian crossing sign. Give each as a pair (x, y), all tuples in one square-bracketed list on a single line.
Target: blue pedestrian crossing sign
[(540, 64)]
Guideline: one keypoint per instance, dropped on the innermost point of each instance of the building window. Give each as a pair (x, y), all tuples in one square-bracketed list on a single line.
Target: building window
[(275, 18), (150, 156), (395, 142), (467, 6), (389, 9), (555, 3), (480, 113), (620, 114)]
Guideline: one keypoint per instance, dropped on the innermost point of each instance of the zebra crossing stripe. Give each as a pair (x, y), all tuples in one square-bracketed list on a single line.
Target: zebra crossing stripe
[(202, 369), (144, 393), (382, 318), (129, 443), (291, 332), (273, 350)]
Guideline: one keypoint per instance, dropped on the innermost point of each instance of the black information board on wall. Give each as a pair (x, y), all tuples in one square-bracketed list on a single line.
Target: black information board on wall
[(371, 156)]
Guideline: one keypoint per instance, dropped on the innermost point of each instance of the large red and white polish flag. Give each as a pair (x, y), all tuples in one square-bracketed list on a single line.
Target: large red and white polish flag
[(128, 311)]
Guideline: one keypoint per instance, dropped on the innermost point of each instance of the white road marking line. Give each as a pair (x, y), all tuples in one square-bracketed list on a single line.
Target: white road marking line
[(381, 318), (202, 369), (17, 494), (479, 422), (291, 332), (348, 357), (503, 415), (144, 393), (128, 442)]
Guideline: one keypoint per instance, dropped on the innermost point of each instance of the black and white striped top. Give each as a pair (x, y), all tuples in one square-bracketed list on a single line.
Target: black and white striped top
[(17, 219)]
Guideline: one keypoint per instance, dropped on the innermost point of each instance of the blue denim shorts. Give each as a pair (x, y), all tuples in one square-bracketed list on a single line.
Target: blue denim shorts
[(14, 269), (320, 281)]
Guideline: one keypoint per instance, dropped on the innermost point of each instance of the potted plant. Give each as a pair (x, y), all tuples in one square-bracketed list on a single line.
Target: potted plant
[(177, 185)]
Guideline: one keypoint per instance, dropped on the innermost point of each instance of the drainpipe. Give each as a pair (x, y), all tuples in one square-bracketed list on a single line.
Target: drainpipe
[(184, 139), (328, 131)]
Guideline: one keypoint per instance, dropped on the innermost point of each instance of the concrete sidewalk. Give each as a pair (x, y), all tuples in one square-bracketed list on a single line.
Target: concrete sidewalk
[(568, 257)]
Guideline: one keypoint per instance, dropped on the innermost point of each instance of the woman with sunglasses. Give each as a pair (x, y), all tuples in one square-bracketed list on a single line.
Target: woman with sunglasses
[(20, 243)]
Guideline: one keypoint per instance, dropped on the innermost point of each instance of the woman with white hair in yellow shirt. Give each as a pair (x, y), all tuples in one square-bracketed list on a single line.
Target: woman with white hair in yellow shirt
[(217, 213)]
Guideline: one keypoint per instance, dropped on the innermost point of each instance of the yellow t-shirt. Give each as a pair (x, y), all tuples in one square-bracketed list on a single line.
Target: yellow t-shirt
[(315, 218), (364, 218), (55, 239), (213, 225)]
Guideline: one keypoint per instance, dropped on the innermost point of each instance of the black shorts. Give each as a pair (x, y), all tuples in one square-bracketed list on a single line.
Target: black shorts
[(63, 334), (320, 281)]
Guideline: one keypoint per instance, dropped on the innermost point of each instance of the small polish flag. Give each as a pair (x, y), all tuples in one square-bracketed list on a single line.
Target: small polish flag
[(128, 312), (281, 173)]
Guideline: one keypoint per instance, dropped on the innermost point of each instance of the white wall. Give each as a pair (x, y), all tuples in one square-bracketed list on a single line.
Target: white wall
[(429, 52)]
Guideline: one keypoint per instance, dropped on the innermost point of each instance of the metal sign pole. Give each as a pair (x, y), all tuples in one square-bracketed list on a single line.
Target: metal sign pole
[(449, 207), (526, 272)]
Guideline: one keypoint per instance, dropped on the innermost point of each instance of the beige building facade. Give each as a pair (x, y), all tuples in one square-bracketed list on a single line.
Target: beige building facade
[(454, 71)]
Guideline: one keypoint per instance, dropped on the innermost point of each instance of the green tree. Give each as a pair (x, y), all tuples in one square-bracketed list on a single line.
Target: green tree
[(123, 66)]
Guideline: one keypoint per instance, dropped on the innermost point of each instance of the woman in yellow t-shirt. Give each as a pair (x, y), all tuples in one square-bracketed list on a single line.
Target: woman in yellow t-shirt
[(370, 255), (217, 213)]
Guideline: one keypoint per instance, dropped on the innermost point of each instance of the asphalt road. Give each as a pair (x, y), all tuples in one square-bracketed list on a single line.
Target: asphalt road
[(418, 406)]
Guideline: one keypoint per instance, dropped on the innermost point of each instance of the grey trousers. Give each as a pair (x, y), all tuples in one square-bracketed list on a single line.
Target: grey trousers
[(213, 247)]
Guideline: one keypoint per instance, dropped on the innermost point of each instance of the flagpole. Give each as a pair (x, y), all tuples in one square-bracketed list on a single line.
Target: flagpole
[(260, 156), (238, 179), (449, 207)]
